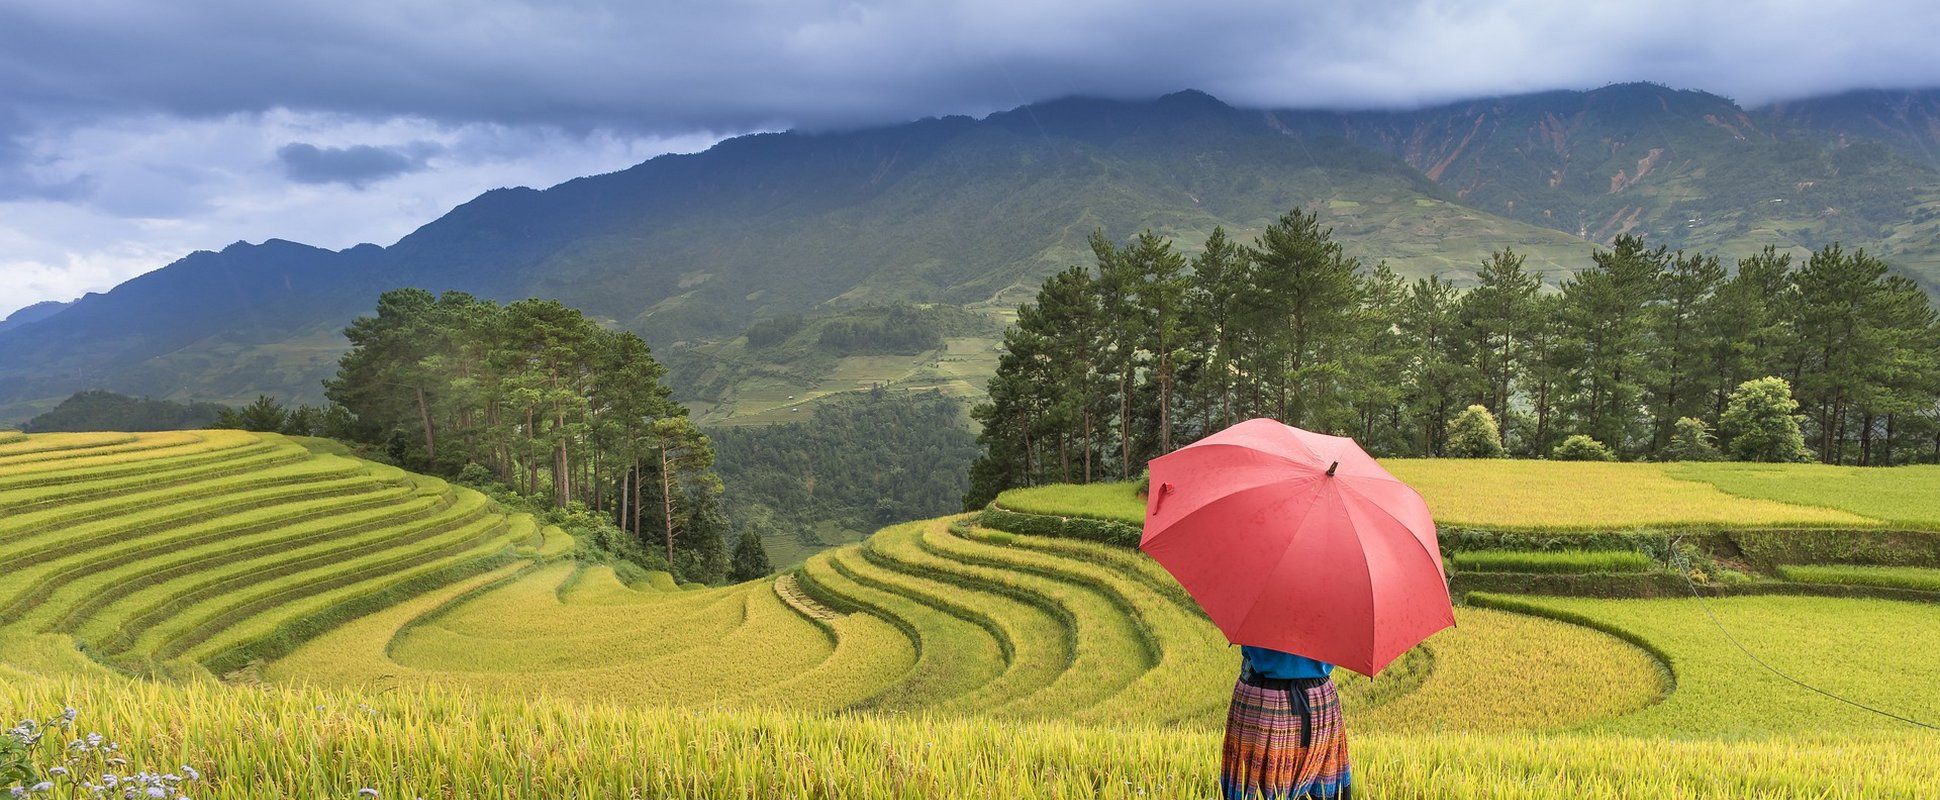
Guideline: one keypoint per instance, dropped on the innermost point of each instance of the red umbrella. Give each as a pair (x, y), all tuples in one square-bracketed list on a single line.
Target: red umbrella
[(1298, 541)]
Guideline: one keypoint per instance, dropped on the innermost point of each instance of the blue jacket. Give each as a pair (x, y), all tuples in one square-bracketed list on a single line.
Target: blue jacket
[(1275, 664)]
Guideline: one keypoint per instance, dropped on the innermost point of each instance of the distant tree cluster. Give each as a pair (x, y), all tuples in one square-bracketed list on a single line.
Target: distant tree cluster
[(546, 402), (1646, 353), (97, 410), (900, 330), (771, 332), (266, 414)]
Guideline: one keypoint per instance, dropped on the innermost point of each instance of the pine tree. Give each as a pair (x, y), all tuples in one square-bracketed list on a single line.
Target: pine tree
[(1428, 324), (1213, 303), (1161, 296), (1306, 300), (1746, 327), (263, 415), (1679, 344), (1496, 319), (750, 559), (1607, 322)]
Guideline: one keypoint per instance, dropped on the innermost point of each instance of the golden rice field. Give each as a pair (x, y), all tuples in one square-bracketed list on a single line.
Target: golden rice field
[(1514, 494), (943, 619), (208, 550), (253, 742), (313, 625)]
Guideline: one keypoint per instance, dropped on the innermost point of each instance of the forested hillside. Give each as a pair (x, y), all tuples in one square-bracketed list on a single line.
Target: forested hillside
[(853, 466), (692, 250), (107, 411)]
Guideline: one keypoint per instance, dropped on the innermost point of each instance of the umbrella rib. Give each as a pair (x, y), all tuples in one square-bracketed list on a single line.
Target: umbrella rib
[(1434, 557)]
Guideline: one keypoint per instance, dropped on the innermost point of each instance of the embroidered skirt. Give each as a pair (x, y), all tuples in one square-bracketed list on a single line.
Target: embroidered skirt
[(1285, 740)]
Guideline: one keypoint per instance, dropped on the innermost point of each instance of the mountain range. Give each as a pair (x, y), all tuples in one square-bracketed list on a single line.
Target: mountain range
[(691, 249)]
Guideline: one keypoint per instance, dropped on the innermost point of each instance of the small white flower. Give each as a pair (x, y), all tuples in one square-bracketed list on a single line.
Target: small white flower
[(367, 792), (58, 772)]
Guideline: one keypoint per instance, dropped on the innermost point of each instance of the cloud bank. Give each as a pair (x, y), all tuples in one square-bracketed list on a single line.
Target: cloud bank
[(131, 131)]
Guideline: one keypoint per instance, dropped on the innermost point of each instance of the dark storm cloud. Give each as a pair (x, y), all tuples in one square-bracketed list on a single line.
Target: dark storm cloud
[(356, 165), (20, 177), (745, 64)]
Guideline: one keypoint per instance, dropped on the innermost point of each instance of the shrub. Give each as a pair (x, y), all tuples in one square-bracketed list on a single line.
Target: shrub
[(1759, 423), (1580, 447), (1474, 434), (1691, 440)]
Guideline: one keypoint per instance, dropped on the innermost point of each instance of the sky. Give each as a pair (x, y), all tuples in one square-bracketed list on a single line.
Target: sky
[(134, 132)]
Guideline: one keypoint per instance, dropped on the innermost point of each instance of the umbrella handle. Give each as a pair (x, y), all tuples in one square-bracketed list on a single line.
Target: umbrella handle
[(1158, 497)]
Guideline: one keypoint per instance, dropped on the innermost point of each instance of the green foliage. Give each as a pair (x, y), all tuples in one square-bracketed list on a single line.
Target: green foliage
[(1886, 548), (1553, 561), (543, 399), (1111, 366), (97, 410), (1691, 440), (1474, 434), (750, 559), (1759, 424), (900, 329), (264, 415), (1580, 447), (771, 332), (857, 464), (267, 415)]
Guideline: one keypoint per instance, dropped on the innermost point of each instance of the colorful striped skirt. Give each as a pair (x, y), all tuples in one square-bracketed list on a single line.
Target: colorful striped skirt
[(1285, 739)]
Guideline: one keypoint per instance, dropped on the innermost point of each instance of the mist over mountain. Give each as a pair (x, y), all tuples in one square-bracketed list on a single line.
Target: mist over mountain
[(691, 249)]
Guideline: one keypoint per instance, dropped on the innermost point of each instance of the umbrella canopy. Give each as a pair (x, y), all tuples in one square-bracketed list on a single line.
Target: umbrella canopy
[(1298, 541)]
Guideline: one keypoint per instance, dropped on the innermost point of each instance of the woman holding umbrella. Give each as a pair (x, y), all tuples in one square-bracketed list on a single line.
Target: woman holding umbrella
[(1307, 553)]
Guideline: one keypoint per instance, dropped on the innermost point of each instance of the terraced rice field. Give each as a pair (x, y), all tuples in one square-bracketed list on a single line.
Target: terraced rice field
[(211, 550), (940, 618), (1920, 579), (388, 631)]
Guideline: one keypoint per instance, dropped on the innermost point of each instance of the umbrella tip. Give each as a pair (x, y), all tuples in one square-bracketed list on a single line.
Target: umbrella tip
[(1331, 468)]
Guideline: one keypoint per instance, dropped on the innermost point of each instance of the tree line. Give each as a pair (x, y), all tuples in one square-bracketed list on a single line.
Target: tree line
[(1148, 348), (541, 399)]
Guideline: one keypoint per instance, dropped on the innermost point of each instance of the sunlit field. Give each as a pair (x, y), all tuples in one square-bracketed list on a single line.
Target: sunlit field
[(309, 624)]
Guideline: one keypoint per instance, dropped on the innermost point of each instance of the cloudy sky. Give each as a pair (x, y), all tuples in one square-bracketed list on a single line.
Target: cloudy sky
[(133, 132)]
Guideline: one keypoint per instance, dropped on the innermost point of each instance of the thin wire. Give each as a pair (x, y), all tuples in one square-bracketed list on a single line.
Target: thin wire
[(1684, 571)]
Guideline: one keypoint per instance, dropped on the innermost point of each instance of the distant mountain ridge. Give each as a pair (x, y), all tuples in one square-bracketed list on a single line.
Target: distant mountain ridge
[(690, 249)]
